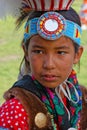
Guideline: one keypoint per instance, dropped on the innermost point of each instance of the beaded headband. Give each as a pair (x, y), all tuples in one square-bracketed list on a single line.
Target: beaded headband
[(51, 26)]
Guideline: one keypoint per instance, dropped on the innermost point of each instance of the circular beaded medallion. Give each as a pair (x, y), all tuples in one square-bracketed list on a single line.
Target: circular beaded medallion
[(51, 25)]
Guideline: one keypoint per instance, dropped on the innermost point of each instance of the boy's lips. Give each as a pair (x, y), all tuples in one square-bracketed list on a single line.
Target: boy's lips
[(50, 77)]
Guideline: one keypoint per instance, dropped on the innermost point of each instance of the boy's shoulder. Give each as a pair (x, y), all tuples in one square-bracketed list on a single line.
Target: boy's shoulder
[(34, 107)]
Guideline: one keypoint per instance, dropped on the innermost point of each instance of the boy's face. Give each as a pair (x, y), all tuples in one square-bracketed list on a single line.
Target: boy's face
[(51, 62)]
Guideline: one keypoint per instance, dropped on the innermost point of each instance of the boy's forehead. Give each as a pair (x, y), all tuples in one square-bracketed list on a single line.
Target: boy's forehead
[(38, 41)]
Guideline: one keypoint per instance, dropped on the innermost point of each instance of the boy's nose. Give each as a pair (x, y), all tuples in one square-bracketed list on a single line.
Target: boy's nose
[(49, 62)]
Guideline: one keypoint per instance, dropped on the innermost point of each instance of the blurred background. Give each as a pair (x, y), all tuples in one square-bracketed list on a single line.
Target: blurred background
[(11, 52)]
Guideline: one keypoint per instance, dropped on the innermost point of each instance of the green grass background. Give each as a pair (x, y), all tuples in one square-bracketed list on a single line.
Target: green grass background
[(11, 52)]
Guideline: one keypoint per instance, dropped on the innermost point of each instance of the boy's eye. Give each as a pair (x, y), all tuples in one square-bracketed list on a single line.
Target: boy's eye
[(61, 52), (38, 51)]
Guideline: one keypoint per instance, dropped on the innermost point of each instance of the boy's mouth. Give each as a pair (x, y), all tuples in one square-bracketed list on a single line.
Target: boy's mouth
[(50, 78)]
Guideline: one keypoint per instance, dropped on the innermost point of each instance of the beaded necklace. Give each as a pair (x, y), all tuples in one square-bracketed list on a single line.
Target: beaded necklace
[(56, 107)]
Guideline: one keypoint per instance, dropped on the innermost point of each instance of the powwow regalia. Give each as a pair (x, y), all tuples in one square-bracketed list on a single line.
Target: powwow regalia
[(58, 114), (50, 25)]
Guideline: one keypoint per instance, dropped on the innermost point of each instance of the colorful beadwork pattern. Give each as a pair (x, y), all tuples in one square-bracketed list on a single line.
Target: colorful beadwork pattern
[(51, 26)]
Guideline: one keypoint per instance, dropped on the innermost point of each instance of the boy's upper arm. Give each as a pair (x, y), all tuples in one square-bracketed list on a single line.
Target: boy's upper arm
[(13, 115)]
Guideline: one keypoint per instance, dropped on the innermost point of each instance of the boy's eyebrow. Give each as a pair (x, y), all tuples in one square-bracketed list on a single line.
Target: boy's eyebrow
[(62, 47), (56, 48), (37, 46)]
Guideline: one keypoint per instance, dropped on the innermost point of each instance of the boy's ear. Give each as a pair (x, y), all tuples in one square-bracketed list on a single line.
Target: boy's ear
[(78, 55)]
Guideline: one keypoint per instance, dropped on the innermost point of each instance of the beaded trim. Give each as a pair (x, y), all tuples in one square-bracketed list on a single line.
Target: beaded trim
[(51, 26)]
